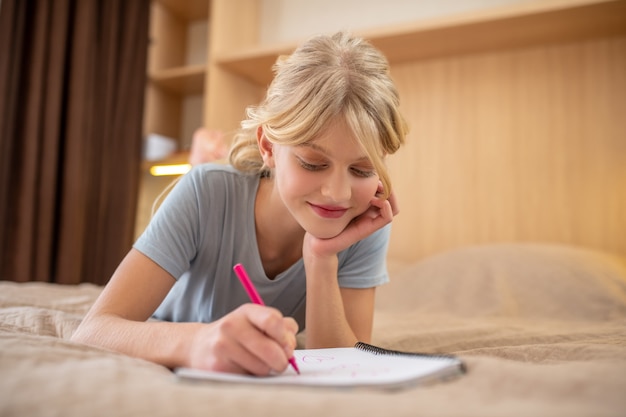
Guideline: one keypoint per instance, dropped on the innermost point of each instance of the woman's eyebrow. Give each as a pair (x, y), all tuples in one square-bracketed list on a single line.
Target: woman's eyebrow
[(323, 150), (314, 146)]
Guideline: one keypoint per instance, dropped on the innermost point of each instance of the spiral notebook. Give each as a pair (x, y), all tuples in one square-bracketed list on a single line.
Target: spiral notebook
[(363, 365)]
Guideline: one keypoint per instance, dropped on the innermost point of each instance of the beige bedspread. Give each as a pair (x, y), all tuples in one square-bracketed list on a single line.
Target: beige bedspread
[(541, 328)]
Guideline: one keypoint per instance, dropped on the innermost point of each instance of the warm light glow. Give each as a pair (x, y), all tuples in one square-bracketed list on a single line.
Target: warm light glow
[(161, 170)]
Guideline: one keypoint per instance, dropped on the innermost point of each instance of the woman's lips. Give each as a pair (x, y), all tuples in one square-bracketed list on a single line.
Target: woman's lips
[(328, 212)]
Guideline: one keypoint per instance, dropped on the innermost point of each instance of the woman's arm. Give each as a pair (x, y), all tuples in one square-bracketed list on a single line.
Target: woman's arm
[(340, 316), (254, 339), (335, 316)]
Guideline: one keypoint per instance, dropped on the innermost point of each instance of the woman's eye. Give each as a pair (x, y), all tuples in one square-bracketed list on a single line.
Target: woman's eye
[(364, 173), (309, 166)]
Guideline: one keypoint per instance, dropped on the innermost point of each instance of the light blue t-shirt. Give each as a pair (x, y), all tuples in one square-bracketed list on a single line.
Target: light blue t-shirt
[(206, 225)]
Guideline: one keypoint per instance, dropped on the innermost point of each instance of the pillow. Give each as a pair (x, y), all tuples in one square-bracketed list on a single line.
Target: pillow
[(512, 280)]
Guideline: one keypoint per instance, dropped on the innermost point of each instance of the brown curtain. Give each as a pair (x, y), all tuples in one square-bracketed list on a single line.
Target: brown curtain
[(72, 77)]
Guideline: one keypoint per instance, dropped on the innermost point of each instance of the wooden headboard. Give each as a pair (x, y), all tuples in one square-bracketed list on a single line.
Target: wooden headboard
[(513, 145)]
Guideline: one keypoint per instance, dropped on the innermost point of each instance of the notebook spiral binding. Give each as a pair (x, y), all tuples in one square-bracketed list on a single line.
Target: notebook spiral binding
[(376, 350)]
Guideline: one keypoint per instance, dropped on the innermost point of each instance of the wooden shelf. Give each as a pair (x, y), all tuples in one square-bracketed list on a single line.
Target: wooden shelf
[(524, 25), (188, 10), (181, 80)]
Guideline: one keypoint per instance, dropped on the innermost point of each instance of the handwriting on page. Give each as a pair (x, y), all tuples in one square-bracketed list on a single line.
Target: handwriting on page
[(326, 365), (317, 358)]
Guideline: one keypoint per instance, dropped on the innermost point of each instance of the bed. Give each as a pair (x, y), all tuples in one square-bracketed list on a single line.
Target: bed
[(540, 327)]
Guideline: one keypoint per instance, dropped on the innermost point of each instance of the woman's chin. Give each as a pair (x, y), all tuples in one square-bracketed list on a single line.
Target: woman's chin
[(326, 233)]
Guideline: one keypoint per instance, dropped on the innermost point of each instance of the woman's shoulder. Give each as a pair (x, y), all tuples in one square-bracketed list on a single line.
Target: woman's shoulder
[(209, 172), (214, 179), (214, 168)]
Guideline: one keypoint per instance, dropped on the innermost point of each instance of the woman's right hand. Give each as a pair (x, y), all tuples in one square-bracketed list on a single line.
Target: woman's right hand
[(252, 339)]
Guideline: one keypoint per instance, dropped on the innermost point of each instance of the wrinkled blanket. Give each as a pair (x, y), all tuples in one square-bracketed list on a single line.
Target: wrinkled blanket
[(541, 328)]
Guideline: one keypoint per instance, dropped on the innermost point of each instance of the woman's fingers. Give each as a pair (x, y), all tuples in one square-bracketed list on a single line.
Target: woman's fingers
[(229, 355), (393, 201), (252, 339), (274, 326)]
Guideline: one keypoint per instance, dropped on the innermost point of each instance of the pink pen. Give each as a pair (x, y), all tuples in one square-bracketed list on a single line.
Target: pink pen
[(256, 298)]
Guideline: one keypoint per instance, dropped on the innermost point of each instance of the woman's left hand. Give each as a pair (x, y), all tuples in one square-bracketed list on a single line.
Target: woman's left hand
[(379, 214)]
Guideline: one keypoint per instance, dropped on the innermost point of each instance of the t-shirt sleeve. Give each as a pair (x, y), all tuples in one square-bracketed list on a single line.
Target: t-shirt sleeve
[(171, 237), (364, 264)]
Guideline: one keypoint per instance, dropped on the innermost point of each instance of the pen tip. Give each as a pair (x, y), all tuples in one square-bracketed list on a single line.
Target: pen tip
[(292, 361)]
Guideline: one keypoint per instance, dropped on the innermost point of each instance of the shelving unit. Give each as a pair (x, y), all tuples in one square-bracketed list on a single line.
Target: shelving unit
[(177, 66), (181, 65), (235, 70)]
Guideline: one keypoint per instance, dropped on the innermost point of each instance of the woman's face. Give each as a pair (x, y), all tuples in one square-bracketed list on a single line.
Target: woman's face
[(326, 182)]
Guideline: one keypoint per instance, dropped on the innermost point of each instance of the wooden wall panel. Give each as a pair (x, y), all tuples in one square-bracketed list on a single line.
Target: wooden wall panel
[(516, 145)]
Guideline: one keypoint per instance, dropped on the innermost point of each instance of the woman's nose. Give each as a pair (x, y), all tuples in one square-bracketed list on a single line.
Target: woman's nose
[(337, 186)]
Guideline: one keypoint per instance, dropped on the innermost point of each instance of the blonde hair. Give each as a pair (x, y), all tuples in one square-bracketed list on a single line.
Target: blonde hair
[(325, 78)]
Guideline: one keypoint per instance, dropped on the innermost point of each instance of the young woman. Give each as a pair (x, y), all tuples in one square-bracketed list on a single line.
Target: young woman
[(305, 204)]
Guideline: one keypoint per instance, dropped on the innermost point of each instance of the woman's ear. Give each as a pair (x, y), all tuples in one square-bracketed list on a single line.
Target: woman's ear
[(265, 147)]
